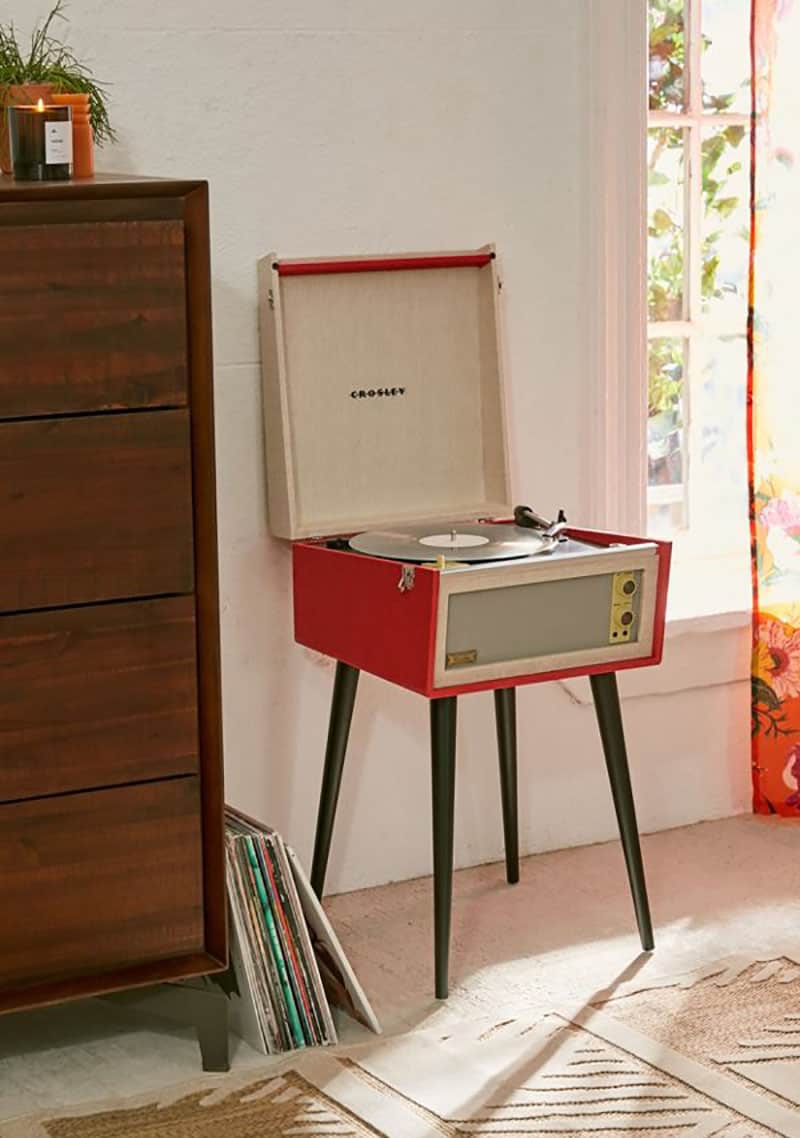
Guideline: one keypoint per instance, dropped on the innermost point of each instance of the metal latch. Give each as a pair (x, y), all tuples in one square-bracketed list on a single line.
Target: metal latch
[(407, 576)]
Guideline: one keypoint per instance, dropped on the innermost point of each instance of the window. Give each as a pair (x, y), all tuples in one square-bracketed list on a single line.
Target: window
[(698, 245)]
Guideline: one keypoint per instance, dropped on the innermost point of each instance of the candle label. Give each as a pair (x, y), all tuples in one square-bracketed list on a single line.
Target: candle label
[(58, 143)]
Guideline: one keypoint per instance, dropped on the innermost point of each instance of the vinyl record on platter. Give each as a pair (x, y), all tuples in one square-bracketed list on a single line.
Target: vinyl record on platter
[(457, 541)]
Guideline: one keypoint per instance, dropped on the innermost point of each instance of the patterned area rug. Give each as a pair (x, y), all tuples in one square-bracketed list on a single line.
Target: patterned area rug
[(713, 1054)]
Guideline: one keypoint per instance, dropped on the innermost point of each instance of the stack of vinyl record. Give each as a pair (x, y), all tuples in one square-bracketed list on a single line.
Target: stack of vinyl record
[(284, 952)]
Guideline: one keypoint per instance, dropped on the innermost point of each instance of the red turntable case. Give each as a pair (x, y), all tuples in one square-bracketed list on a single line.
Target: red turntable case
[(384, 405)]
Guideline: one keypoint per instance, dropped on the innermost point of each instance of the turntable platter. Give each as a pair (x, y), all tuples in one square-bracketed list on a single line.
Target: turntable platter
[(457, 541)]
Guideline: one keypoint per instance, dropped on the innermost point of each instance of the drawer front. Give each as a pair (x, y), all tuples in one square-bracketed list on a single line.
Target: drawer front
[(94, 509), (97, 697), (93, 882), (92, 316)]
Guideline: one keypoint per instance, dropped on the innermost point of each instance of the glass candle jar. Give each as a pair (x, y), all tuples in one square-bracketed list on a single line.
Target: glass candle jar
[(82, 140), (41, 142)]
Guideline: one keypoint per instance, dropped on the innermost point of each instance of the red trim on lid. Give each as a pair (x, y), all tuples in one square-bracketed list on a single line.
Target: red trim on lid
[(385, 265)]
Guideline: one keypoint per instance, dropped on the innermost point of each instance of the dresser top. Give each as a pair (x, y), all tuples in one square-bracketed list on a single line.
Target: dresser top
[(100, 186)]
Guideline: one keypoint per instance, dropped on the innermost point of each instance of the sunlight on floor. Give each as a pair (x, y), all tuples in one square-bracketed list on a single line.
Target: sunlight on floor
[(563, 935)]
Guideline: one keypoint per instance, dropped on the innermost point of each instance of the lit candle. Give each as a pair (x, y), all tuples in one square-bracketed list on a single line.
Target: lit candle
[(41, 142)]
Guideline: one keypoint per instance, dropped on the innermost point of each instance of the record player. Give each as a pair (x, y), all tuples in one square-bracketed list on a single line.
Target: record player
[(387, 468)]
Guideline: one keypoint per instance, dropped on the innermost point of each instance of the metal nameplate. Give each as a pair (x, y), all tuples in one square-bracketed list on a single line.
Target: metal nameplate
[(459, 659)]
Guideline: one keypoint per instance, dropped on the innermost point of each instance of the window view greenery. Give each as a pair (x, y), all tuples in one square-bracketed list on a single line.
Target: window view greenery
[(698, 242), (667, 58)]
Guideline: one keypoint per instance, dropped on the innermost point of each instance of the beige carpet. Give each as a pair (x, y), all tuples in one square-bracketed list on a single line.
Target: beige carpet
[(715, 1052)]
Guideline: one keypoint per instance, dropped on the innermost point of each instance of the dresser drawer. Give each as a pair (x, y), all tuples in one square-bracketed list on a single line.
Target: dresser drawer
[(97, 696), (95, 508), (92, 316), (93, 882)]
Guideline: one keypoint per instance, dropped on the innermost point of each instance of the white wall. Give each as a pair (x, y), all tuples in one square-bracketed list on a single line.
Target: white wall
[(340, 126)]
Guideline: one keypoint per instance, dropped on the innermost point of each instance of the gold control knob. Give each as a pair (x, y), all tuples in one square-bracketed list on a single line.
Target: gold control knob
[(624, 591)]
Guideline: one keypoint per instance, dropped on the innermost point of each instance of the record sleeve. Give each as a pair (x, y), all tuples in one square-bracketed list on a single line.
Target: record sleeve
[(314, 964), (269, 916), (295, 929), (303, 955), (245, 927), (247, 1020), (340, 981), (262, 950), (286, 942)]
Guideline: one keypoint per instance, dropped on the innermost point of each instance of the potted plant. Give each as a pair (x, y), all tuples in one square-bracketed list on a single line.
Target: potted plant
[(41, 67)]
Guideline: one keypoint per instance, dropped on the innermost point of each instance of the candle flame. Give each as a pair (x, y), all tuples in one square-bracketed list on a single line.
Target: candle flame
[(40, 105)]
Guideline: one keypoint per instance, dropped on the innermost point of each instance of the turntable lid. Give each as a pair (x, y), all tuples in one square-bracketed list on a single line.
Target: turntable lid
[(383, 391)]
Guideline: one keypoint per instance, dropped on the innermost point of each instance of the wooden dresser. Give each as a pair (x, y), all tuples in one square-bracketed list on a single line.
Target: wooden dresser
[(111, 799)]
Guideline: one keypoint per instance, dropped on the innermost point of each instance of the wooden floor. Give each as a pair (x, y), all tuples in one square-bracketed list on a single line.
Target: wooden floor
[(564, 932)]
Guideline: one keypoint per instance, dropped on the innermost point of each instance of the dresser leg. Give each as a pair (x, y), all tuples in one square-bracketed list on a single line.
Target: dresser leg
[(505, 709), (211, 1022), (443, 771), (609, 718), (344, 697), (193, 1002)]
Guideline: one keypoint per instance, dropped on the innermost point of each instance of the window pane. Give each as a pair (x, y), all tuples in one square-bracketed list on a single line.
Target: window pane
[(719, 469), (665, 228), (666, 512), (666, 444), (726, 224), (667, 39), (726, 55)]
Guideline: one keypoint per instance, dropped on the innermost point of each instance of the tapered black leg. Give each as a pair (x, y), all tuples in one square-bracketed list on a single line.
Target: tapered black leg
[(344, 697), (443, 769), (609, 718), (505, 710)]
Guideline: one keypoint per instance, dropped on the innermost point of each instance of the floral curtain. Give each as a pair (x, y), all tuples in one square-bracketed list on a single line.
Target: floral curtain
[(774, 406)]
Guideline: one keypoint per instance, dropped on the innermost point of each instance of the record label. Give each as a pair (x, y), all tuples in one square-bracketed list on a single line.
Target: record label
[(454, 540)]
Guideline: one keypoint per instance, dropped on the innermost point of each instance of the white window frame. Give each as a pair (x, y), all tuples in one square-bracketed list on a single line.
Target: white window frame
[(707, 645), (617, 60), (693, 119)]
